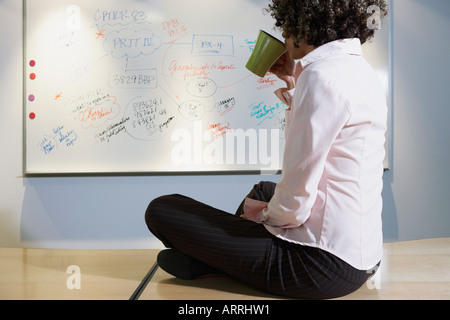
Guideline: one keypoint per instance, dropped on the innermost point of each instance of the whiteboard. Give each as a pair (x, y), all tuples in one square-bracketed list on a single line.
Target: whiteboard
[(148, 87)]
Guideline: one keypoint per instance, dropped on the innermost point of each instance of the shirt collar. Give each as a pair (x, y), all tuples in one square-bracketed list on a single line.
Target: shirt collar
[(337, 47)]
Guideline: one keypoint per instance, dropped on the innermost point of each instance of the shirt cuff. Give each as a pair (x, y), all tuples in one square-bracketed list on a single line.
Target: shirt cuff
[(253, 209), (288, 95), (285, 95)]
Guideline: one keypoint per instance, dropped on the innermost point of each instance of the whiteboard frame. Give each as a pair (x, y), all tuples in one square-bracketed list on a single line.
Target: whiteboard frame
[(388, 162)]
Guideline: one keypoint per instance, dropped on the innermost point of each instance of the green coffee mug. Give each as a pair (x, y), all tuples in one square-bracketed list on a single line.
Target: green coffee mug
[(267, 51)]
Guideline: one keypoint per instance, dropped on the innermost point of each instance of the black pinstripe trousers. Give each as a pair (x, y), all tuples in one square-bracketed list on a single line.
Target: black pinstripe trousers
[(249, 253)]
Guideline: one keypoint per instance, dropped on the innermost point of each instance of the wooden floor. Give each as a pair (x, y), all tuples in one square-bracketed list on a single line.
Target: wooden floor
[(410, 270)]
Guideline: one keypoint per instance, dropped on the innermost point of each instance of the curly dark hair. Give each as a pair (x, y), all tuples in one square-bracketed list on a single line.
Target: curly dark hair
[(323, 21)]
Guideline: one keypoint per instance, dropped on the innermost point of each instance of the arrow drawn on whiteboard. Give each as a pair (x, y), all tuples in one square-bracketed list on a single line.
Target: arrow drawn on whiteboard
[(168, 95), (164, 76)]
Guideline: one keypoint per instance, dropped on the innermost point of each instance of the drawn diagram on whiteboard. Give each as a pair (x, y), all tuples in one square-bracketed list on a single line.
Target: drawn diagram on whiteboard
[(129, 77)]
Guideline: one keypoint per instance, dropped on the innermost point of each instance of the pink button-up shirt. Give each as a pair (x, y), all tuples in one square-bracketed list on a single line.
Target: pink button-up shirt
[(329, 195)]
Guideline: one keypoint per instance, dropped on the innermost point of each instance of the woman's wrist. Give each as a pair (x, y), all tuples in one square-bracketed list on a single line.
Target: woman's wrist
[(290, 82)]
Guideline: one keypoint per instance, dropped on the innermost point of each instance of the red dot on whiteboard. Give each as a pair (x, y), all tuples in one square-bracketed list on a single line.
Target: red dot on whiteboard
[(31, 97), (32, 63), (32, 115), (32, 76)]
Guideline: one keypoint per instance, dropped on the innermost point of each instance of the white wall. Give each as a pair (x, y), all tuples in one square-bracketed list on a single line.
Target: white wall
[(108, 212)]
